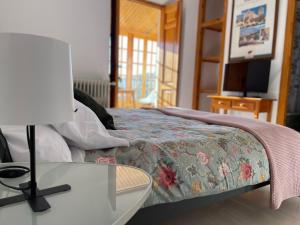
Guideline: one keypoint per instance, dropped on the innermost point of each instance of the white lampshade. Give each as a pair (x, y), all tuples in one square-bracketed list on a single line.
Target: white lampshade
[(36, 85)]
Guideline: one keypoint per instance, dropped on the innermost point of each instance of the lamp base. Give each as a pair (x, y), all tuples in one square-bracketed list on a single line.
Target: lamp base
[(37, 203), (12, 173)]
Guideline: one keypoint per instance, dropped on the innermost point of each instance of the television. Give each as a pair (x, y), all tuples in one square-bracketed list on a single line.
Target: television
[(249, 76)]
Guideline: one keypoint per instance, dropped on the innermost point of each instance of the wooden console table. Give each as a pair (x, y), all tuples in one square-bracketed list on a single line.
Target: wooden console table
[(254, 105)]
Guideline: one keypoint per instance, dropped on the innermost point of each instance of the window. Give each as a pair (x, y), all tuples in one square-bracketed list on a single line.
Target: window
[(138, 65)]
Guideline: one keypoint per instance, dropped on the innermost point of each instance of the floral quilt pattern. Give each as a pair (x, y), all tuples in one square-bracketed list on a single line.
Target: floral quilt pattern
[(186, 158)]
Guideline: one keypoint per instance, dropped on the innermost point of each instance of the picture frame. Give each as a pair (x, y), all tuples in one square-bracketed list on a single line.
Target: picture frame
[(253, 30)]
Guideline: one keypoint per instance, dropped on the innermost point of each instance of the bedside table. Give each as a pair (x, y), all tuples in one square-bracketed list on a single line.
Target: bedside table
[(99, 195)]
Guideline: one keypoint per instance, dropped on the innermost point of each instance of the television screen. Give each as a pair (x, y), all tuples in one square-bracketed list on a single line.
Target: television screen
[(235, 77), (258, 76), (251, 76)]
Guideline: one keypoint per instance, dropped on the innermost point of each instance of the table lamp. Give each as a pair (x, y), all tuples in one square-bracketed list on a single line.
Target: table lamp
[(36, 88)]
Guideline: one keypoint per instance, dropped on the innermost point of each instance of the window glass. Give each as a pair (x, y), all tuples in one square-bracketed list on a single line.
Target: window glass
[(125, 42), (152, 76), (141, 45), (135, 43), (123, 53)]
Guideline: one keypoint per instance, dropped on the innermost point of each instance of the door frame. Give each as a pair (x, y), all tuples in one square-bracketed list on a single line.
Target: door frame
[(287, 62), (114, 58), (114, 51)]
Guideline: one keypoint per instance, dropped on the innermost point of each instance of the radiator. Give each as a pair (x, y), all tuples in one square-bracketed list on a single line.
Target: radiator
[(98, 89)]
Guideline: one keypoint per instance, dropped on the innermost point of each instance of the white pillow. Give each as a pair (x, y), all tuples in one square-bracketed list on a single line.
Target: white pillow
[(87, 132), (78, 155), (50, 146)]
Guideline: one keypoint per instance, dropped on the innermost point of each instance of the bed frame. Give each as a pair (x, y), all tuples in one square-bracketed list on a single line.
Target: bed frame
[(155, 214)]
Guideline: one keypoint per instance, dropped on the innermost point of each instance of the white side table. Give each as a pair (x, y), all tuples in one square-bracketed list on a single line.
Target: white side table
[(99, 195)]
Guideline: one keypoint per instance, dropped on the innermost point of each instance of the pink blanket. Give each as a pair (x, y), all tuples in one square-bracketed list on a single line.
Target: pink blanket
[(281, 143)]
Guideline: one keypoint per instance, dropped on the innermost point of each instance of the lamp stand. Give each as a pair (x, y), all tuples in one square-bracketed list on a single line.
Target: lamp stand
[(31, 193)]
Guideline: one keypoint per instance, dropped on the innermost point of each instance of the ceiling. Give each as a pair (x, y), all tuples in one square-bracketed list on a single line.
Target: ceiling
[(139, 19)]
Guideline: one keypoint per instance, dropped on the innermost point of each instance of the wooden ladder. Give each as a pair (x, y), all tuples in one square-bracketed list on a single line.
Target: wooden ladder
[(216, 25)]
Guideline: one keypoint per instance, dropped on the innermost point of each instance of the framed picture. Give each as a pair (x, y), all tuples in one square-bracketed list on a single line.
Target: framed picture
[(253, 30)]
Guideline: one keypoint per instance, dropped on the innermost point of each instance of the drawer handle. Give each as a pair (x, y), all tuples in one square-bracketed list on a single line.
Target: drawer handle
[(220, 103), (243, 105)]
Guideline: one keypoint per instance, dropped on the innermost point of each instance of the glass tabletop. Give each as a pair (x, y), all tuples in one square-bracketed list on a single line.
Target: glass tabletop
[(100, 194)]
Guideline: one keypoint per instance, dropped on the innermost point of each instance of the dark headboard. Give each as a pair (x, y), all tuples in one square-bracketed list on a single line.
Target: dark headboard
[(4, 149)]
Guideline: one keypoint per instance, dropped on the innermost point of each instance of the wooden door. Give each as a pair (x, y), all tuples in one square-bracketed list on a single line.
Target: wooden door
[(169, 45)]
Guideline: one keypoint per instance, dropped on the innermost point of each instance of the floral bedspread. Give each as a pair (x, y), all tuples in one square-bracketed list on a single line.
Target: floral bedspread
[(186, 158)]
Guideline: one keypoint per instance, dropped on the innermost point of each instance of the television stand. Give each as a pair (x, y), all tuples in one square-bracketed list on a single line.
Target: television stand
[(245, 104)]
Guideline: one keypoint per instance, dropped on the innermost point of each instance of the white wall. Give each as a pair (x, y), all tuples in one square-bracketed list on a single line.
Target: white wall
[(188, 52), (85, 24), (276, 66)]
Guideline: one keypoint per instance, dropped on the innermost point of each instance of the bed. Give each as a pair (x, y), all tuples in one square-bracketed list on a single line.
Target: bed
[(186, 158), (192, 163), (196, 157)]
